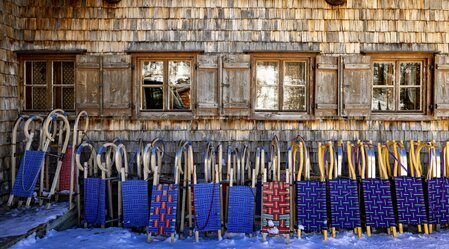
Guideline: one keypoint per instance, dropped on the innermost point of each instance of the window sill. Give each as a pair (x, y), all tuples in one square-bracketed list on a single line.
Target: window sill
[(263, 115), (44, 113), (164, 115), (395, 116)]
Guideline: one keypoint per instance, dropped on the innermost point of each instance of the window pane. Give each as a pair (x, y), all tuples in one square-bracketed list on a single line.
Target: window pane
[(383, 73), (383, 99), (39, 73), (57, 93), (28, 73), (152, 98), (294, 98), (68, 73), (63, 74), (410, 73), (68, 98), (410, 98), (267, 80), (57, 73), (179, 82), (39, 98), (267, 73), (295, 73), (153, 75), (267, 98)]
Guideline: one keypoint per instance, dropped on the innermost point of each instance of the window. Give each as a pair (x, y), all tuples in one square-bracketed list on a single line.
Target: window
[(398, 85), (281, 85), (166, 84), (48, 84)]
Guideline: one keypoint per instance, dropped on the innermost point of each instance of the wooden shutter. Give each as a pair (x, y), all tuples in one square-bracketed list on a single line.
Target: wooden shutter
[(357, 85), (207, 87), (441, 92), (326, 86), (117, 85), (88, 96), (236, 85)]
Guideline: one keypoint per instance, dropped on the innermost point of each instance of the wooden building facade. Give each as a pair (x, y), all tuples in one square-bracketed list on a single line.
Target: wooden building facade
[(228, 70)]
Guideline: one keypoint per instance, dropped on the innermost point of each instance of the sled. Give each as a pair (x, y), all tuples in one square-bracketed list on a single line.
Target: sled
[(409, 192), (311, 205), (207, 198), (241, 197), (377, 195), (276, 198), (343, 193)]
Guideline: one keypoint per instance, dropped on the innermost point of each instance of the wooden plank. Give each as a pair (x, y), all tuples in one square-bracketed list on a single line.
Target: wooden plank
[(327, 66), (358, 66), (236, 85), (117, 85), (207, 85), (441, 93), (87, 83), (326, 86), (442, 66), (357, 86)]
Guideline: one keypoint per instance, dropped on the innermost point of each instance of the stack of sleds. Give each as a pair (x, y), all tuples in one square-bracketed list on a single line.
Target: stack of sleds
[(47, 158)]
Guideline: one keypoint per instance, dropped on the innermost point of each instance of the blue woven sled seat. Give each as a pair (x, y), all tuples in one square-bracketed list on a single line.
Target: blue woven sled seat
[(410, 200), (344, 203), (28, 173), (95, 201), (241, 209), (135, 203), (207, 207), (378, 203), (311, 205), (438, 200)]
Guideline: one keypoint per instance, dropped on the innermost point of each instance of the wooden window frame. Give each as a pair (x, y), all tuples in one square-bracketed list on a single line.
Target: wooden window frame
[(184, 114), (49, 59), (426, 60), (282, 57)]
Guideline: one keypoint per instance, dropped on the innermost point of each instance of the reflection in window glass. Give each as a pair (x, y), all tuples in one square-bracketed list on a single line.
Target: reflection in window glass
[(383, 74), (410, 98), (402, 94), (179, 83), (153, 98), (294, 98), (267, 98), (294, 86), (153, 79), (410, 73), (383, 99), (153, 73), (295, 73), (267, 81)]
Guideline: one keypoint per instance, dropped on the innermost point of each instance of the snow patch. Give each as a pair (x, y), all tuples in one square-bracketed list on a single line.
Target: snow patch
[(20, 220), (122, 238)]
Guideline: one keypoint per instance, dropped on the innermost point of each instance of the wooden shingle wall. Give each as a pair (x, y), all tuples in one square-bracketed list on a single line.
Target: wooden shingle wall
[(259, 133), (223, 27), (235, 25), (8, 87)]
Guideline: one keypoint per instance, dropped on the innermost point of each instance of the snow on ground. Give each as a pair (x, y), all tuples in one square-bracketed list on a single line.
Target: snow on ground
[(18, 221), (122, 238)]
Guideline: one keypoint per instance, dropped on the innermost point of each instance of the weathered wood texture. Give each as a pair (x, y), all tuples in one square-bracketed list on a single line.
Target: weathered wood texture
[(235, 26), (8, 87), (259, 133), (224, 28)]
